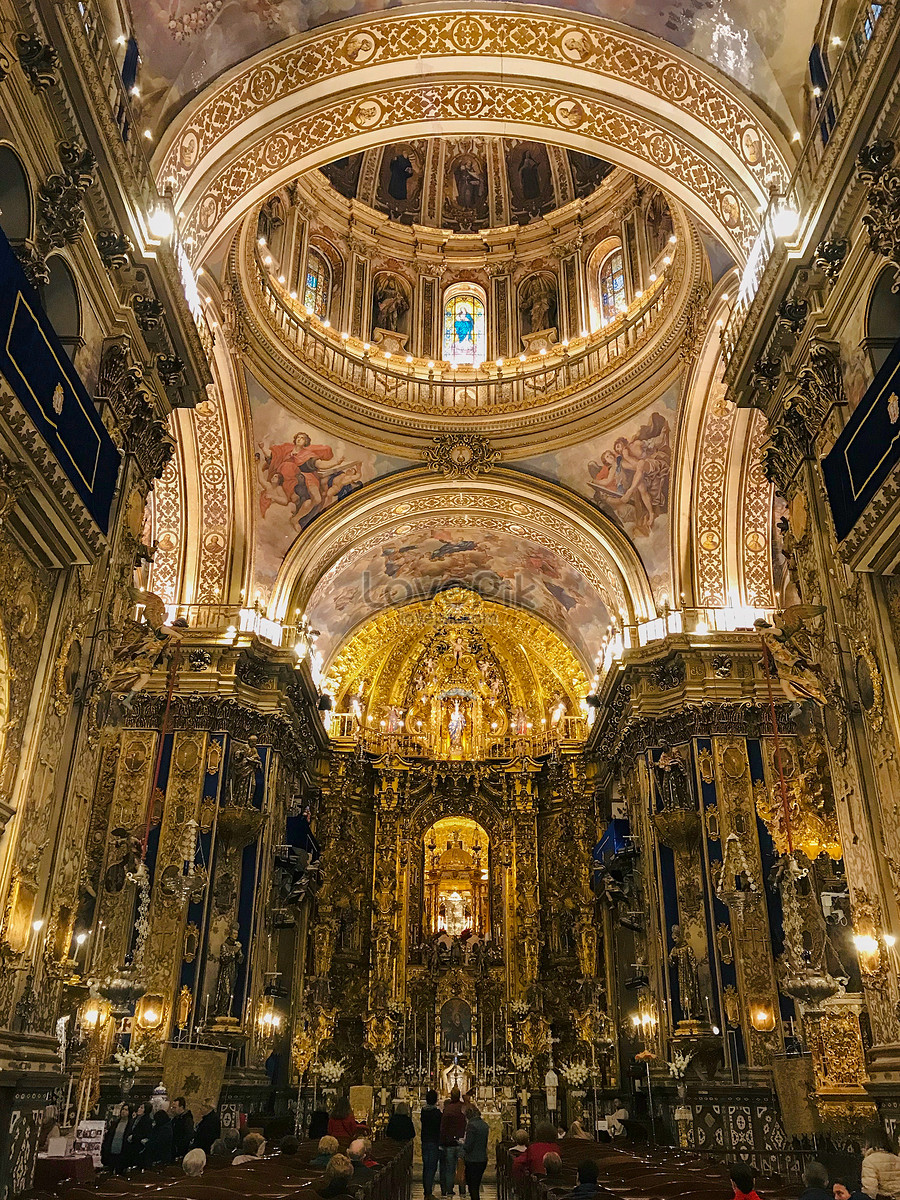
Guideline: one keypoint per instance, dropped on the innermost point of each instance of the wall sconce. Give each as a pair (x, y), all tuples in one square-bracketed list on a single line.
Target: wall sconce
[(868, 951), (762, 1017), (151, 1012), (93, 1013)]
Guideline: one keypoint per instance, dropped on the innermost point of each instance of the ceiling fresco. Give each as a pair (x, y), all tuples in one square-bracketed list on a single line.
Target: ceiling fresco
[(300, 471), (413, 561), (185, 44), (626, 474)]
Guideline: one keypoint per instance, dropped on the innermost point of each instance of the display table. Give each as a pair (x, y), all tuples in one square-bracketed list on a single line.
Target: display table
[(52, 1170)]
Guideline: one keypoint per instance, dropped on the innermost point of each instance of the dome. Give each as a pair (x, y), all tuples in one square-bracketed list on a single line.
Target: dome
[(466, 184)]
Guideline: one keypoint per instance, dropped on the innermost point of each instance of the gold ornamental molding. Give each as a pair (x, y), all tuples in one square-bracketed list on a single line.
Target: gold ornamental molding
[(507, 499), (585, 84)]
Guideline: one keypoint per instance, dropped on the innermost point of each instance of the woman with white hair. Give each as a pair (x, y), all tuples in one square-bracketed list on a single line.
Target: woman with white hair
[(194, 1162)]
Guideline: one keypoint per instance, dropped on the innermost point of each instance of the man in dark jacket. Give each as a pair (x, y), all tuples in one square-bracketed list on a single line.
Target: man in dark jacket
[(208, 1129), (158, 1151), (431, 1140), (182, 1128), (815, 1179), (475, 1151), (453, 1130)]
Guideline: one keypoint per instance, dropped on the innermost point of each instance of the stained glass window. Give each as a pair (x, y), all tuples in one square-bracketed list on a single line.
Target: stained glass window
[(465, 332), (612, 286), (317, 291)]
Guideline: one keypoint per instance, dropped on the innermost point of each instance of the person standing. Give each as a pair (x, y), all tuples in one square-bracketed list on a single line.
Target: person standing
[(453, 1130), (475, 1147), (880, 1166), (430, 1118), (182, 1127), (112, 1152), (209, 1127), (158, 1149)]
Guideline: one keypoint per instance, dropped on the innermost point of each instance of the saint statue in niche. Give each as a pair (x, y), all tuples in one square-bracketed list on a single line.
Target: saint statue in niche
[(683, 958), (231, 956), (529, 177), (456, 1027), (468, 176), (456, 726), (401, 170)]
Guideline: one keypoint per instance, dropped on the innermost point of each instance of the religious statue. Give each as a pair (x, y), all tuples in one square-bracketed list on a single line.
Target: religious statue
[(672, 781), (456, 726), (551, 1083), (454, 1076), (393, 722), (685, 961), (788, 650), (519, 722), (245, 762), (231, 955), (557, 714)]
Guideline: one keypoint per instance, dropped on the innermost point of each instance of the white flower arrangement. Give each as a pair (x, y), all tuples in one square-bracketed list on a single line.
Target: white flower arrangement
[(384, 1060), (330, 1070), (519, 1009), (575, 1073), (128, 1061), (679, 1064), (521, 1059)]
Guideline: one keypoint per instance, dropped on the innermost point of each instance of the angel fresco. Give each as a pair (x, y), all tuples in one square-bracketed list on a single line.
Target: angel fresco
[(292, 475), (631, 480)]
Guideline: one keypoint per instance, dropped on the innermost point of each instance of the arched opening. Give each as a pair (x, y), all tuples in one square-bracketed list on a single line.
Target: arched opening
[(15, 197), (61, 304), (883, 318), (465, 325), (613, 295), (457, 900), (317, 283)]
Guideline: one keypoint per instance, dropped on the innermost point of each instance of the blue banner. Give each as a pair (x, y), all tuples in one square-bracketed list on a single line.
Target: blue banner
[(867, 450), (35, 365)]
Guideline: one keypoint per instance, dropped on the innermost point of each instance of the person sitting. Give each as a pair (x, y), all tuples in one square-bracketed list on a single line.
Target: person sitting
[(328, 1147), (182, 1128), (815, 1179), (336, 1178), (194, 1162), (252, 1147), (552, 1165), (586, 1187), (158, 1150), (289, 1145), (577, 1130), (741, 1176), (615, 1120), (880, 1166), (49, 1127), (232, 1139), (219, 1155), (342, 1122), (532, 1161), (520, 1143), (843, 1189), (358, 1155), (400, 1127)]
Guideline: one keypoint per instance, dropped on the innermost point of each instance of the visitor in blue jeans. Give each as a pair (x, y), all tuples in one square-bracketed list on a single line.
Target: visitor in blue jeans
[(431, 1141), (453, 1130)]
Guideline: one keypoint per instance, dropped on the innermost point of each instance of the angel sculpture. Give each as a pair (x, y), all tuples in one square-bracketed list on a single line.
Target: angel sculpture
[(789, 645)]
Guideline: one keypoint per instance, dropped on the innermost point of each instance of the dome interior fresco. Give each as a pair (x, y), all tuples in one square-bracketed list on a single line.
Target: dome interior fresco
[(187, 44), (465, 184)]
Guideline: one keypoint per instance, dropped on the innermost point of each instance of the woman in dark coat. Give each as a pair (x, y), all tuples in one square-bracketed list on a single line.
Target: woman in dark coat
[(400, 1127), (160, 1148), (141, 1128), (115, 1141)]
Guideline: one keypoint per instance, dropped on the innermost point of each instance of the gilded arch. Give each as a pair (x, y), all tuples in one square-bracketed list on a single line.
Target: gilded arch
[(585, 84)]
